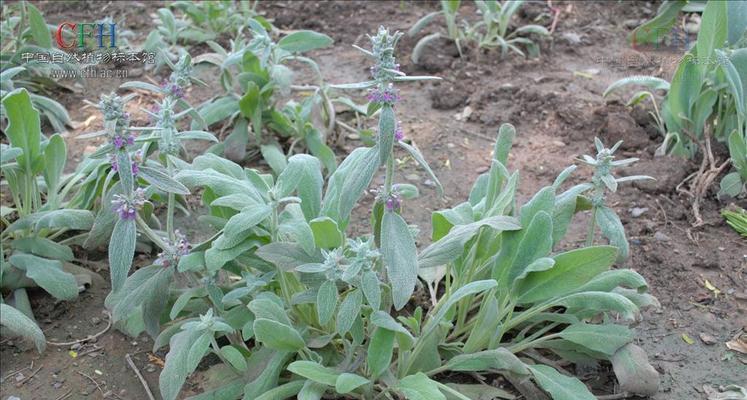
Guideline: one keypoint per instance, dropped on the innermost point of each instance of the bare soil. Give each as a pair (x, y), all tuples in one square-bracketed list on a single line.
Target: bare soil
[(556, 104)]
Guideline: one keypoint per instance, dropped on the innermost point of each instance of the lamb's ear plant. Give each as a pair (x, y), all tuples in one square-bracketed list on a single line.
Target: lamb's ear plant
[(25, 31), (492, 32), (706, 98), (294, 306), (257, 78), (449, 11), (603, 181), (40, 217)]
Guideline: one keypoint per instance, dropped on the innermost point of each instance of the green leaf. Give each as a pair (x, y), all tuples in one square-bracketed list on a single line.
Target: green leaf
[(274, 157), (302, 41), (731, 185), (347, 183), (44, 247), (464, 291), (348, 382), (326, 301), (39, 28), (197, 135), (605, 338), (23, 128), (121, 251), (415, 153), (327, 235), (451, 246), (237, 227), (737, 12), (593, 303), (650, 82), (79, 220), (284, 391), (559, 386), (314, 371), (400, 257), (611, 226), (478, 392), (371, 289), (161, 179), (269, 309), (420, 387), (655, 30), (309, 188), (350, 309), (312, 391), (186, 350), (488, 360), (139, 288), (55, 156), (421, 45), (379, 352), (250, 101), (18, 323), (713, 29), (48, 274), (572, 269), (277, 336), (234, 356), (286, 256), (422, 22)]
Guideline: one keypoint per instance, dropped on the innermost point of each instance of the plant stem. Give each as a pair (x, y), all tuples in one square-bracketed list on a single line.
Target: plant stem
[(170, 207), (389, 175), (521, 347), (150, 234), (592, 225), (216, 350)]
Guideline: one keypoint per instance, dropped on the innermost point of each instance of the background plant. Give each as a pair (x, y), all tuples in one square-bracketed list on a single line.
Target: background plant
[(706, 100), (492, 32), (26, 32), (256, 78), (32, 169), (449, 11)]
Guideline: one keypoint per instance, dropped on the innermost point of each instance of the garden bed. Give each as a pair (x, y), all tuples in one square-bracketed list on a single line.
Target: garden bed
[(556, 104)]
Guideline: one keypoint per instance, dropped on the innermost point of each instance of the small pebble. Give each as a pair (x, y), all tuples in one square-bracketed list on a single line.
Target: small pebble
[(638, 211), (660, 237)]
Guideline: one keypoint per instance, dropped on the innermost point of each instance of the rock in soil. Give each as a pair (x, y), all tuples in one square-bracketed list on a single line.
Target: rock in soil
[(667, 170)]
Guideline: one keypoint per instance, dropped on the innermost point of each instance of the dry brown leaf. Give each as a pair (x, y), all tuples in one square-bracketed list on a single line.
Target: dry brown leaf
[(738, 344), (153, 359)]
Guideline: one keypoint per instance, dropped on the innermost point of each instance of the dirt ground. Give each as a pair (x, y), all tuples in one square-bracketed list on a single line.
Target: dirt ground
[(556, 104)]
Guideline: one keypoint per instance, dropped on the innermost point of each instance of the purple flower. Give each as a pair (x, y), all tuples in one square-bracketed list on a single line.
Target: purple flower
[(392, 203), (178, 248), (399, 133), (172, 89), (126, 207), (390, 95), (120, 141), (136, 159)]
